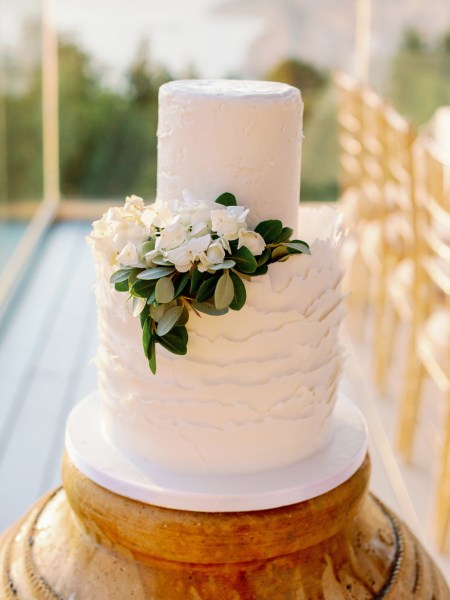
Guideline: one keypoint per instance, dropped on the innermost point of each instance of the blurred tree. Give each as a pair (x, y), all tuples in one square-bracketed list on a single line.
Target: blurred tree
[(303, 75), (22, 119), (144, 80), (419, 80), (87, 111), (319, 177), (444, 42), (413, 42), (320, 150), (107, 136)]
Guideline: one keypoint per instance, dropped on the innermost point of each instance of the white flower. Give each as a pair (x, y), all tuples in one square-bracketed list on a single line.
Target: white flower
[(215, 253), (238, 212), (227, 222), (171, 237), (180, 257), (251, 240), (197, 245), (133, 203), (127, 231), (129, 257), (159, 214), (200, 228), (226, 244)]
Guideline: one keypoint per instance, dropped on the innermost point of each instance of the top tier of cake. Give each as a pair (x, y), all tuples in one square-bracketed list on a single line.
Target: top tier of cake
[(242, 137)]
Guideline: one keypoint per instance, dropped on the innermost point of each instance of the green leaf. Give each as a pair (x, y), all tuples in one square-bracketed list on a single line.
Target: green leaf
[(152, 355), (157, 311), (262, 270), (161, 262), (226, 264), (121, 286), (169, 320), (133, 276), (164, 290), (285, 235), (240, 293), (196, 279), (226, 199), (138, 305), (244, 259), (181, 283), (279, 252), (206, 290), (270, 230), (144, 315), (120, 275), (142, 289), (146, 335), (175, 341), (148, 246), (209, 308), (298, 246), (184, 318), (155, 273), (264, 257), (224, 293), (234, 245), (152, 297)]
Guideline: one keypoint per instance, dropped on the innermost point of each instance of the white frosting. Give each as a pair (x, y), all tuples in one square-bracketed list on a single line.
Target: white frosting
[(257, 387), (243, 137)]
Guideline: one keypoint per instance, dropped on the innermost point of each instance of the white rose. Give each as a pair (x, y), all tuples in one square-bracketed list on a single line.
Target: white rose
[(198, 245), (180, 257), (133, 203), (116, 229), (127, 231), (238, 212), (202, 213), (171, 237), (215, 253), (158, 214), (226, 244), (224, 224), (227, 222), (129, 257), (148, 216), (114, 215), (251, 240), (199, 228)]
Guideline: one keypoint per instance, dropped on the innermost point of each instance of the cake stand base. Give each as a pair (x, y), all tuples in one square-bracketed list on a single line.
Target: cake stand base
[(84, 542), (323, 471)]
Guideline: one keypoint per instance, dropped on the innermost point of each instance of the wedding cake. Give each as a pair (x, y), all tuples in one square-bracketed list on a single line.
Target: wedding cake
[(256, 387)]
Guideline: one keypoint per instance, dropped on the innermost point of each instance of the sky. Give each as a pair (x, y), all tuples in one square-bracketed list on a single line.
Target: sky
[(182, 34), (222, 38)]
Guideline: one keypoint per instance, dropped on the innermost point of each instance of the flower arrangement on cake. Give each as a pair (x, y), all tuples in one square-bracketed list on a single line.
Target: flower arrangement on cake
[(189, 254)]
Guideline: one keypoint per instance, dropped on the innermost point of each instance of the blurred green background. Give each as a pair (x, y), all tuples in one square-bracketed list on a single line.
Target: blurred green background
[(108, 132)]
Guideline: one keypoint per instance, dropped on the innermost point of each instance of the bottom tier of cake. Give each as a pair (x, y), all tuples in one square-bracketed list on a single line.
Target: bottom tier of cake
[(324, 470)]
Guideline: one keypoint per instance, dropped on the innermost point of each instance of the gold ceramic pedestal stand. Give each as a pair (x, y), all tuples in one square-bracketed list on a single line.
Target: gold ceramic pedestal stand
[(85, 543)]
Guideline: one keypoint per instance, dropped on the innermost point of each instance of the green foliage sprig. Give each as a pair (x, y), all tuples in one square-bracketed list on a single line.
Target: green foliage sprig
[(163, 296)]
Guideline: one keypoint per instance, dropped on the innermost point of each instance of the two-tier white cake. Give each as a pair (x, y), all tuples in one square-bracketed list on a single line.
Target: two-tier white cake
[(256, 390)]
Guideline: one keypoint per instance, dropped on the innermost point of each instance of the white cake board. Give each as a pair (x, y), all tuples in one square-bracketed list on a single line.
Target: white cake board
[(105, 465)]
